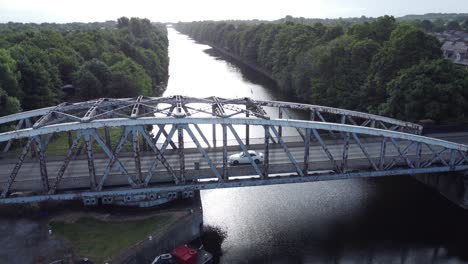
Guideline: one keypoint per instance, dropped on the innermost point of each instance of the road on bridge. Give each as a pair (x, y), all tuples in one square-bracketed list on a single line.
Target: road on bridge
[(77, 174)]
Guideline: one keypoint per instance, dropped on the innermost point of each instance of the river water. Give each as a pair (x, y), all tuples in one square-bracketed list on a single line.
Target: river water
[(386, 220)]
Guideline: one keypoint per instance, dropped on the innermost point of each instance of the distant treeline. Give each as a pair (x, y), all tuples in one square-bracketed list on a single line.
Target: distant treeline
[(382, 67), (111, 59), (432, 22)]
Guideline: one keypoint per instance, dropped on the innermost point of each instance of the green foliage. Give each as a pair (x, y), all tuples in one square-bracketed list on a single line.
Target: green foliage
[(8, 74), (407, 46), (37, 60), (357, 66), (102, 240), (453, 25), (129, 79), (431, 89)]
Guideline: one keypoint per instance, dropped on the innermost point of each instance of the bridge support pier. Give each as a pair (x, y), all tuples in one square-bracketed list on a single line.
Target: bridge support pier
[(452, 185)]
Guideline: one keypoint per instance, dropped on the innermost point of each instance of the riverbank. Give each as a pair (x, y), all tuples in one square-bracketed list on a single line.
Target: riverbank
[(69, 232)]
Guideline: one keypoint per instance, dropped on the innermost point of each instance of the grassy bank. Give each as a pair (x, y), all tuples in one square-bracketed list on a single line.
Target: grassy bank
[(101, 240)]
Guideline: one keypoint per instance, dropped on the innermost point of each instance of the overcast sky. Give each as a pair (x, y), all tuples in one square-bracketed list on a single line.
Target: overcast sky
[(189, 10)]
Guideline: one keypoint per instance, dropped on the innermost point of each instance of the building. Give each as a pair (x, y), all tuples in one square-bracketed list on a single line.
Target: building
[(455, 46)]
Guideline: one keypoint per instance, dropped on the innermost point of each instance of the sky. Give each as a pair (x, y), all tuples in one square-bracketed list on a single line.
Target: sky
[(62, 11)]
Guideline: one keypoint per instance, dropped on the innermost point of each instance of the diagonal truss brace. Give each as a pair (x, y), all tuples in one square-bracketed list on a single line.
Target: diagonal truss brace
[(160, 156), (203, 152)]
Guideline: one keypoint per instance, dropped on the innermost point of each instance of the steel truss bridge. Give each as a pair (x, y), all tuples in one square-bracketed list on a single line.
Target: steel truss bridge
[(123, 162)]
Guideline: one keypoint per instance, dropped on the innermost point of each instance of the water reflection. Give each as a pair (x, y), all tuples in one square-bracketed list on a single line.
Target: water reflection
[(387, 220)]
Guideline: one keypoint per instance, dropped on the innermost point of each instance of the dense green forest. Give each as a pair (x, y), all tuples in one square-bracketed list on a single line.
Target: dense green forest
[(383, 67), (432, 22), (122, 58)]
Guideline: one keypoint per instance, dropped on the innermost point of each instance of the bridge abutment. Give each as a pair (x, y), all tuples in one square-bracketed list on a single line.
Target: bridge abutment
[(452, 185)]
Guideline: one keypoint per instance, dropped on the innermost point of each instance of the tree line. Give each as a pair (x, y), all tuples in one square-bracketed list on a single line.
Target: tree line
[(122, 58), (382, 67)]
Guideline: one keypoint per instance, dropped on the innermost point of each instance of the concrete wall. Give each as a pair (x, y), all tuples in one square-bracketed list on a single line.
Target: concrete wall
[(454, 186)]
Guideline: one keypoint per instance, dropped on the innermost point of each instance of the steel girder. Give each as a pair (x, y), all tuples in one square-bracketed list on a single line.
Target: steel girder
[(141, 106)]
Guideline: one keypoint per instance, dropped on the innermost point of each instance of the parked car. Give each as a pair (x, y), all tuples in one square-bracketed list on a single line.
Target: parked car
[(241, 158)]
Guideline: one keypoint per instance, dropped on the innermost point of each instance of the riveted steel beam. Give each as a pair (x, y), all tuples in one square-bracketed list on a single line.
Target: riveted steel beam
[(307, 151), (159, 156), (19, 163), (203, 152), (42, 164), (90, 156), (113, 158), (364, 151), (70, 153), (288, 153), (325, 149), (8, 144), (136, 155), (344, 159), (93, 110), (266, 152), (200, 132), (225, 154), (136, 107)]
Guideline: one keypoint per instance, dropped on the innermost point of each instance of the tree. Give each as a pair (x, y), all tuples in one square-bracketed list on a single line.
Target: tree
[(129, 79), (123, 22), (465, 25), (407, 46), (40, 81), (453, 25), (430, 89), (427, 25), (93, 80), (8, 74), (8, 104)]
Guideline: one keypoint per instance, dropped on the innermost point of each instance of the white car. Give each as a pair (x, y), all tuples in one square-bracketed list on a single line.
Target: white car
[(241, 158)]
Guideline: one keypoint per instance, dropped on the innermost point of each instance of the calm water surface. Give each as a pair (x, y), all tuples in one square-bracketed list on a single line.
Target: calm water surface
[(387, 220)]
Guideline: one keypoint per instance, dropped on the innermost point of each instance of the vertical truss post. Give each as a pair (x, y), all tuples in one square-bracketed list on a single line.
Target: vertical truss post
[(312, 115), (452, 159), (383, 147), (14, 173), (266, 152), (247, 138), (89, 154), (180, 151), (42, 164), (344, 160), (417, 163), (343, 119), (225, 154), (107, 136), (70, 139), (214, 127), (136, 155), (280, 116), (306, 151)]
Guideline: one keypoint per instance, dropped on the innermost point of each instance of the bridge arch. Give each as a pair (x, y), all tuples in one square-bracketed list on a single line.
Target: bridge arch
[(341, 150)]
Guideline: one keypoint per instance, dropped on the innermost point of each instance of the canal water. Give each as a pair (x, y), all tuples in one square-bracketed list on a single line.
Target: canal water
[(386, 220)]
